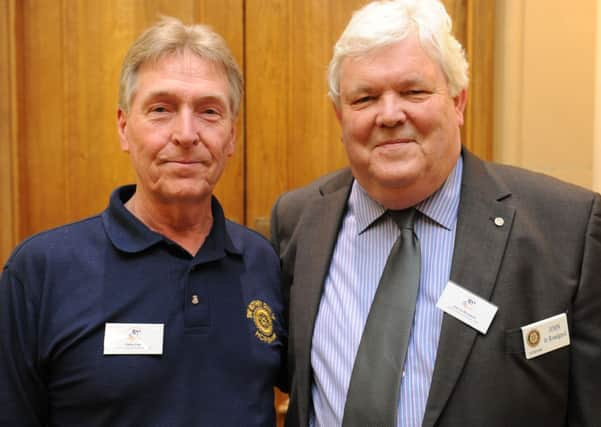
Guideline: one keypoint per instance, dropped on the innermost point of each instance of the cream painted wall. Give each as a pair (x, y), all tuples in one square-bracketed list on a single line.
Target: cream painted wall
[(545, 88)]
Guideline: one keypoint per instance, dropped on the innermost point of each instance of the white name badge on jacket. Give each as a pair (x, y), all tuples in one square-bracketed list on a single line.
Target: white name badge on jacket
[(467, 307), (546, 335), (133, 338)]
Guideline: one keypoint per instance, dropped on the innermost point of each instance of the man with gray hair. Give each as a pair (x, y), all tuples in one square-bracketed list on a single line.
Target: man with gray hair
[(428, 287), (159, 311)]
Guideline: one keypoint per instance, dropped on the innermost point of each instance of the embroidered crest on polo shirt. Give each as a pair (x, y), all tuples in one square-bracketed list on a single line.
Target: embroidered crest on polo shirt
[(263, 318)]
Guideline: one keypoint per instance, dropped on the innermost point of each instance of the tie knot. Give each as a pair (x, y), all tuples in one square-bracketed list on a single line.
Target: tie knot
[(404, 218)]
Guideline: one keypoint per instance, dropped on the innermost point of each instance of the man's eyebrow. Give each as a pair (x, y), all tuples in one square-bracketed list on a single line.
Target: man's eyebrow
[(153, 95), (361, 88), (401, 82), (358, 90), (168, 94), (413, 81), (158, 94)]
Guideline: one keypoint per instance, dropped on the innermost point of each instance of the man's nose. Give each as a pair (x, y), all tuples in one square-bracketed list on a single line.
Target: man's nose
[(391, 111), (186, 130)]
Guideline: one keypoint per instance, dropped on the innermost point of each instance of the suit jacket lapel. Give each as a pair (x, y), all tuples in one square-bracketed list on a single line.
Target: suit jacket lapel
[(479, 247), (318, 236)]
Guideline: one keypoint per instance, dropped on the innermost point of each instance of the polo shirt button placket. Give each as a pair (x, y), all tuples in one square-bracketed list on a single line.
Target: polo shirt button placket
[(196, 318)]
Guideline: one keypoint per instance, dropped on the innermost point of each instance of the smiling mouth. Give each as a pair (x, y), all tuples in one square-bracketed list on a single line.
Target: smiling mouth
[(184, 162), (395, 142)]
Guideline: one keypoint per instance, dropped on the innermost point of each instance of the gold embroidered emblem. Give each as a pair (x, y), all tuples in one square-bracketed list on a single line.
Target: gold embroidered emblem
[(263, 317), (533, 338)]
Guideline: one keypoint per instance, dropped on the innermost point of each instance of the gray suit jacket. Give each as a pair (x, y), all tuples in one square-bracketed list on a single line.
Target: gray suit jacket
[(544, 260)]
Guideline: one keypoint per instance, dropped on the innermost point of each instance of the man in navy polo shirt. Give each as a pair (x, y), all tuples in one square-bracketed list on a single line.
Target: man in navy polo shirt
[(159, 311)]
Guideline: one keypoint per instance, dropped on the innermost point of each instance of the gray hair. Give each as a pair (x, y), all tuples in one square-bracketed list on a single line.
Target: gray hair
[(169, 36), (385, 22)]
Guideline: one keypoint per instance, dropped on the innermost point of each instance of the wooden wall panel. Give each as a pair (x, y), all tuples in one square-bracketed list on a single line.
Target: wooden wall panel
[(92, 48), (478, 132), (473, 25), (8, 128), (42, 166), (69, 154), (292, 133)]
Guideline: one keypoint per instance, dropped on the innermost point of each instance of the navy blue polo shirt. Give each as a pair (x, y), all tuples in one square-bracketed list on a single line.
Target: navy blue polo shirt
[(222, 311)]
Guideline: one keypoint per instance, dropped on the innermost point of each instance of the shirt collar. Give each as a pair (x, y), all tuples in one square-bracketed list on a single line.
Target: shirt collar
[(441, 207), (128, 234)]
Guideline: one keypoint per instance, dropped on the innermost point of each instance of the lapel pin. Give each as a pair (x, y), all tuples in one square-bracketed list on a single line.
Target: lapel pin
[(499, 222)]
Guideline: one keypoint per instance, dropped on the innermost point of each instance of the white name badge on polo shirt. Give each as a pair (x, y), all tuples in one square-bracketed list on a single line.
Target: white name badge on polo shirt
[(546, 335), (467, 307), (133, 338)]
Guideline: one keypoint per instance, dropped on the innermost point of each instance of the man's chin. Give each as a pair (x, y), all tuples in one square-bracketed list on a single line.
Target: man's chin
[(187, 194), (395, 176)]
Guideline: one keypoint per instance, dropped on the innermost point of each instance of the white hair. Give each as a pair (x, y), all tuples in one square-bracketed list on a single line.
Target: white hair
[(385, 22)]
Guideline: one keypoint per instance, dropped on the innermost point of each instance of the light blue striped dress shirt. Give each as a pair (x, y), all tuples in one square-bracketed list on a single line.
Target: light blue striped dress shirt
[(357, 264)]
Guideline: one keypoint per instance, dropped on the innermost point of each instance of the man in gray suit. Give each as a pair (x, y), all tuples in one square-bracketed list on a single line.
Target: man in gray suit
[(523, 248)]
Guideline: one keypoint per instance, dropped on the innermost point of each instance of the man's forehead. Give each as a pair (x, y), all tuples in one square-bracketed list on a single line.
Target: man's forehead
[(194, 71), (155, 83), (368, 81), (393, 61), (411, 44), (183, 60)]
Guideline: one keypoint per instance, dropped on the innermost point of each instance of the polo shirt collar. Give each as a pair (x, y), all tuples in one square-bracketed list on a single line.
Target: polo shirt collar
[(219, 241), (441, 207), (128, 234)]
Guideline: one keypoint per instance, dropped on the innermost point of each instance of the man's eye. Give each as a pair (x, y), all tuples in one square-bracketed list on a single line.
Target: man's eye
[(416, 92), (211, 113), (363, 99), (158, 109)]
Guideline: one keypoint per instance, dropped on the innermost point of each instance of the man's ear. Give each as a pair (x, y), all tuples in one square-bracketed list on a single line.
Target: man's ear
[(121, 129), (337, 111), (460, 100), (231, 143)]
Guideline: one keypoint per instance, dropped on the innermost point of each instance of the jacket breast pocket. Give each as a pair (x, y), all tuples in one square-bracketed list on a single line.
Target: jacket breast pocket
[(514, 343)]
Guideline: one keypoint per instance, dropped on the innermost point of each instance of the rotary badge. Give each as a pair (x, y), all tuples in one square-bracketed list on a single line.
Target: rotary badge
[(533, 338), (263, 317)]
